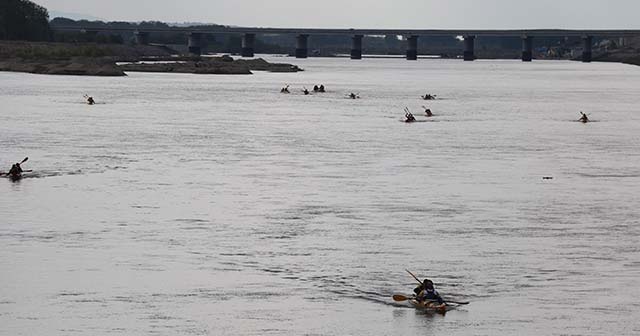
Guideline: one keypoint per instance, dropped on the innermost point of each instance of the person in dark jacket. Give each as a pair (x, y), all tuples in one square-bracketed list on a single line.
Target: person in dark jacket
[(426, 292), (15, 170), (409, 117), (584, 118)]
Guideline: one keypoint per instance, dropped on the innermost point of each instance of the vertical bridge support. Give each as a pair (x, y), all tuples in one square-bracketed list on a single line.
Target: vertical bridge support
[(356, 47), (412, 48), (622, 42), (469, 48), (301, 46), (586, 51), (527, 48), (142, 38), (248, 40), (195, 43)]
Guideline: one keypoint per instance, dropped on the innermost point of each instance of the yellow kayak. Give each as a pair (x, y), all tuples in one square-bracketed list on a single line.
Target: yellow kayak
[(430, 305)]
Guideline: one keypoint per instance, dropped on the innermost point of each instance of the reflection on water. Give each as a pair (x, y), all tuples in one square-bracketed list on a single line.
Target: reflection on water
[(189, 204)]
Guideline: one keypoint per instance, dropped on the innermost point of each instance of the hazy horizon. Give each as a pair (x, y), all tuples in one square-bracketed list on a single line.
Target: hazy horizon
[(405, 14)]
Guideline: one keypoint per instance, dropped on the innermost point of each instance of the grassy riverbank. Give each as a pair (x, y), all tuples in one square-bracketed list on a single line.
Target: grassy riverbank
[(91, 59)]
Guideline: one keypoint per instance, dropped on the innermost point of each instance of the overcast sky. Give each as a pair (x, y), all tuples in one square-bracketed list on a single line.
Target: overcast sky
[(418, 14)]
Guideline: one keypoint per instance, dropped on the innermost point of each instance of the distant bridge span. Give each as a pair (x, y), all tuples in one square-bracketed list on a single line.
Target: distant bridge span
[(469, 35)]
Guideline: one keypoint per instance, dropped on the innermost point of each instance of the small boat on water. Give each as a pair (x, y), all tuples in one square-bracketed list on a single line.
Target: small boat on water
[(427, 298), (12, 177)]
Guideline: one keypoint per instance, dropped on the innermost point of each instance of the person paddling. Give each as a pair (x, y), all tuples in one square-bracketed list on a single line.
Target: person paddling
[(427, 112), (428, 96), (285, 89), (90, 100), (408, 115), (316, 88), (305, 91), (426, 292), (584, 118), (321, 88), (353, 95), (16, 170), (426, 295)]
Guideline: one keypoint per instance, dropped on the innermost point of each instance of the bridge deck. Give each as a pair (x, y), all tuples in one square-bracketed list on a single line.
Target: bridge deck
[(406, 32)]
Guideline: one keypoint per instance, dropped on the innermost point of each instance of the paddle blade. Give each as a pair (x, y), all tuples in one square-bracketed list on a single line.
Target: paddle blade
[(400, 297), (25, 160), (458, 302)]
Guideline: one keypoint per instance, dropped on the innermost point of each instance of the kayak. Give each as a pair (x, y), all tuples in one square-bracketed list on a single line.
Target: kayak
[(430, 306), (12, 177)]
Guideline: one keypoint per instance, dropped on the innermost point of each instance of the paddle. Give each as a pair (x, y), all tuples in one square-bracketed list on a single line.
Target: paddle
[(400, 297), (406, 110), (414, 276)]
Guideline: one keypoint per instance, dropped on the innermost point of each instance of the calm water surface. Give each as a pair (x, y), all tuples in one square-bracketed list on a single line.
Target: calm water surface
[(213, 205)]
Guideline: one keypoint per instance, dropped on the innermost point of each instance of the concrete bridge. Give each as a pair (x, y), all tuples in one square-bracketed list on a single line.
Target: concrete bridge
[(412, 35)]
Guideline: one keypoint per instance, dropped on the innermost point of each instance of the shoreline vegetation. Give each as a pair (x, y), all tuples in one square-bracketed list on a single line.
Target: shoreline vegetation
[(630, 57), (91, 59), (99, 59)]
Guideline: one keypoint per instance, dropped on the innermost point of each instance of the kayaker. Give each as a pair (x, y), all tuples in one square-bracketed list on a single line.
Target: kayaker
[(90, 100), (584, 118), (316, 88), (428, 112), (321, 89), (285, 89), (353, 95), (306, 92), (409, 117), (428, 96), (15, 171), (426, 292)]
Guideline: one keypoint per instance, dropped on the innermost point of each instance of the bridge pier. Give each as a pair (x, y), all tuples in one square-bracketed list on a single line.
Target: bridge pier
[(356, 47), (586, 51), (469, 48), (302, 49), (412, 48), (142, 38), (248, 40), (195, 43), (622, 42), (527, 48)]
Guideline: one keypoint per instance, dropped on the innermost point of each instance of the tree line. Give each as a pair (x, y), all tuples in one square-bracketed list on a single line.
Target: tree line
[(24, 20)]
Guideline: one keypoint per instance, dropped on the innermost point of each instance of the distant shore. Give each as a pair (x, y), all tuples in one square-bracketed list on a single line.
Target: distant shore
[(631, 57), (90, 59)]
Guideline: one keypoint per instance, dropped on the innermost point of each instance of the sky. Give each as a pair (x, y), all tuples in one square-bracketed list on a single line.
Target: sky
[(389, 14)]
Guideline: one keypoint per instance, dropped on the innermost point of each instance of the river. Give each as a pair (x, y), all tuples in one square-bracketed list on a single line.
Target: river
[(187, 204)]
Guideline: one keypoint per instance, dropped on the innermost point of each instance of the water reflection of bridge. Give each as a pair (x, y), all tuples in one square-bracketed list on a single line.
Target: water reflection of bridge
[(302, 37)]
